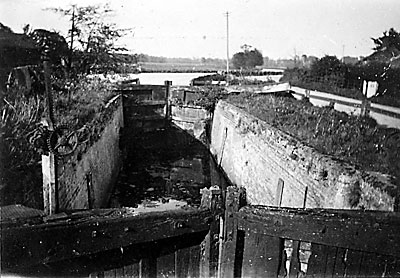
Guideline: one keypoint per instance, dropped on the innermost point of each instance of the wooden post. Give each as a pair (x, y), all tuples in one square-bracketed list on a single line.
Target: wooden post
[(90, 190), (292, 253), (308, 94), (182, 262), (211, 198), (279, 192), (365, 107), (50, 194), (232, 205), (49, 162), (167, 85), (148, 267)]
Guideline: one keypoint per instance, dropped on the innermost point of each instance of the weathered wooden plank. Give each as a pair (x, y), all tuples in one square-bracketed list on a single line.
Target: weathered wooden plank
[(267, 263), (250, 247), (166, 265), (121, 257), (131, 270), (91, 232), (194, 262), (148, 267), (340, 267), (392, 267), (282, 271), (373, 265), (304, 257), (119, 272), (346, 229), (261, 255), (316, 264), (322, 261), (331, 253), (109, 274), (353, 260), (211, 198), (205, 257), (214, 247), (294, 263), (230, 232), (182, 261), (240, 241)]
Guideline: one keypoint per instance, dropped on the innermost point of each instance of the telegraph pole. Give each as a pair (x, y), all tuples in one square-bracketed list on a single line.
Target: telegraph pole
[(343, 53), (72, 38), (227, 47)]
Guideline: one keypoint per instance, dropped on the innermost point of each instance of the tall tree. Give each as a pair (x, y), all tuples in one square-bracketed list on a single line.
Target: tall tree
[(387, 48), (92, 37), (248, 58), (327, 65), (389, 40), (52, 43)]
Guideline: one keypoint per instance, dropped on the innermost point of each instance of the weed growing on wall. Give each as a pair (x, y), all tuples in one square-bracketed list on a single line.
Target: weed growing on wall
[(203, 96), (210, 96)]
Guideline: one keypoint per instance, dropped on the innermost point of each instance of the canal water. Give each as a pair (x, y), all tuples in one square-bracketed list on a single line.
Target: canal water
[(177, 78), (156, 78)]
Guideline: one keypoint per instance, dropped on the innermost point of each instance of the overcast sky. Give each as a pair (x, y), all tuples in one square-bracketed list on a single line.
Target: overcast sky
[(197, 28)]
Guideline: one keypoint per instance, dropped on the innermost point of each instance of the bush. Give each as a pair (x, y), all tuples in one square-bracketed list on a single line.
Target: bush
[(331, 76)]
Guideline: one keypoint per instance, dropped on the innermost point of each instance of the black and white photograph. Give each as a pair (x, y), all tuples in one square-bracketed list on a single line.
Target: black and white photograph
[(200, 138)]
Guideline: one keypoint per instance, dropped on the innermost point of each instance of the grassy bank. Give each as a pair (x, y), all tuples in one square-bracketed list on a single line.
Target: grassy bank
[(356, 140)]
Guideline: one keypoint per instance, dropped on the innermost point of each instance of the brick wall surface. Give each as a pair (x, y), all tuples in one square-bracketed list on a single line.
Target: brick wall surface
[(85, 179), (256, 156)]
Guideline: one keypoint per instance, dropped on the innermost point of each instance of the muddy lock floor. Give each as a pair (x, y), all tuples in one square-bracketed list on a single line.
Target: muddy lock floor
[(164, 169)]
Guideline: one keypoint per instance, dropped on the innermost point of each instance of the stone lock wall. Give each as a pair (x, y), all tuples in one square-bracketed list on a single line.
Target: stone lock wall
[(86, 178), (187, 116), (193, 119), (277, 169)]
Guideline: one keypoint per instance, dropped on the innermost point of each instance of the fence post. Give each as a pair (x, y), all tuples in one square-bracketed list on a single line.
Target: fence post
[(365, 107)]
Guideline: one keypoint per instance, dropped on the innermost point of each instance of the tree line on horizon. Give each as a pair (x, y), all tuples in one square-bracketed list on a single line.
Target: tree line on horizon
[(92, 46)]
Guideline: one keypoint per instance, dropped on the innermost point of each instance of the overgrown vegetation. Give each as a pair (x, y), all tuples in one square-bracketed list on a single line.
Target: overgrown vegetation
[(333, 76), (81, 108), (346, 80), (20, 170), (358, 140), (79, 103), (204, 96)]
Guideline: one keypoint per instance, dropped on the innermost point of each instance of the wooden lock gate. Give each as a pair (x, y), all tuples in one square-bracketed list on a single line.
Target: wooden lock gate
[(262, 241), (229, 239)]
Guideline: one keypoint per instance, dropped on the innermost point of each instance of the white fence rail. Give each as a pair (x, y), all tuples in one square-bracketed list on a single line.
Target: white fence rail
[(384, 115)]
